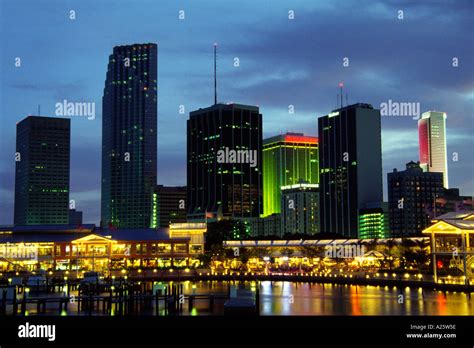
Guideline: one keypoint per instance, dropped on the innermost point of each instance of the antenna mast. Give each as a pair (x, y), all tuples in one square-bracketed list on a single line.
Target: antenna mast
[(215, 73)]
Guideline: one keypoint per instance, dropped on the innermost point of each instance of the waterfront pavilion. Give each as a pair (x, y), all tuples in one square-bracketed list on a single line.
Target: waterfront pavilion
[(452, 247), (85, 247)]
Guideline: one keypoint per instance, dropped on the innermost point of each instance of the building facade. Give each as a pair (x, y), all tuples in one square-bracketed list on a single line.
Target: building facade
[(299, 209), (374, 221), (42, 171), (432, 143), (129, 137), (169, 206), (412, 199), (287, 159), (224, 176), (350, 166)]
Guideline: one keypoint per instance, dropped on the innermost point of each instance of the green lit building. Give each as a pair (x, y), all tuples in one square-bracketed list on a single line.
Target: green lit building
[(374, 223), (42, 171), (287, 160)]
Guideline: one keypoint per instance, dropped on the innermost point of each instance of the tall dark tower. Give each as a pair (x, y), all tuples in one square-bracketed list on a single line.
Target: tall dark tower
[(42, 171), (350, 166), (129, 136), (226, 185)]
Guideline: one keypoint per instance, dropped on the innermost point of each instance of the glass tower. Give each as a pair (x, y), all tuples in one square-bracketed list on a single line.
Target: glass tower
[(432, 141), (129, 137), (287, 160), (42, 171), (350, 161), (226, 186)]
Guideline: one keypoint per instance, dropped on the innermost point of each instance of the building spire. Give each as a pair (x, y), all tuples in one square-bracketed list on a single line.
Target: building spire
[(215, 73)]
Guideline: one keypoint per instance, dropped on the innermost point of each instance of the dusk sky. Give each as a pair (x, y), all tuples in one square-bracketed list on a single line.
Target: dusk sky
[(283, 62)]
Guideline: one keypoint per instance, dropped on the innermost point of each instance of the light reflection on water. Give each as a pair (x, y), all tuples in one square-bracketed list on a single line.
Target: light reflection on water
[(286, 298)]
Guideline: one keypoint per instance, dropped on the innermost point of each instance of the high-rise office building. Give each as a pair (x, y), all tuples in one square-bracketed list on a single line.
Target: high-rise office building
[(169, 206), (129, 136), (412, 199), (224, 147), (299, 209), (287, 159), (42, 171), (432, 143), (350, 166)]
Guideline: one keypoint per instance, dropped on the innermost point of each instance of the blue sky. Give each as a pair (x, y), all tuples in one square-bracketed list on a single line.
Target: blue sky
[(282, 62)]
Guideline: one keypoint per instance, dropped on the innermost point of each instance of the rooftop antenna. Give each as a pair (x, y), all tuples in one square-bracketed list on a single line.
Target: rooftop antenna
[(215, 73), (347, 99), (39, 110), (340, 86)]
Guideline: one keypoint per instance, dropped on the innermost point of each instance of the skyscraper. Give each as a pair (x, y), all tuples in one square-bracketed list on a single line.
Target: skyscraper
[(432, 143), (224, 147), (42, 171), (412, 199), (129, 136), (287, 159), (350, 166)]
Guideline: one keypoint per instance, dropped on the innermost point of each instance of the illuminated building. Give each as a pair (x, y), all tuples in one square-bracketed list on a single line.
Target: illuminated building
[(42, 171), (412, 199), (350, 166), (452, 247), (223, 188), (299, 209), (169, 206), (374, 222), (84, 248), (287, 159), (129, 137), (432, 143)]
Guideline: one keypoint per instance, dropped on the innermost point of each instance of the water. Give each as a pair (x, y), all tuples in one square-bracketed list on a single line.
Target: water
[(289, 298)]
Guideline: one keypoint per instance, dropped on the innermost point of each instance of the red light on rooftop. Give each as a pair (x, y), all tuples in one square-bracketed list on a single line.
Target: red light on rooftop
[(341, 84), (300, 139)]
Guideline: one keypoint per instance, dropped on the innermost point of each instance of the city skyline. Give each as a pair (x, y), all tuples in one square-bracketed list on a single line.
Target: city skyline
[(48, 84)]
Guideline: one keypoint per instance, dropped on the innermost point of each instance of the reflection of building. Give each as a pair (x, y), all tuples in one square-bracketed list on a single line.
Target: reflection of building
[(432, 142), (75, 217), (42, 171), (374, 222), (85, 247), (350, 166), (129, 130), (452, 247), (287, 159), (412, 196), (169, 205), (299, 209), (229, 186)]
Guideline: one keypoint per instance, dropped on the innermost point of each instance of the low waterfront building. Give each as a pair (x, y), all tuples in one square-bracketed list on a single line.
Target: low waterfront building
[(67, 247), (452, 247)]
